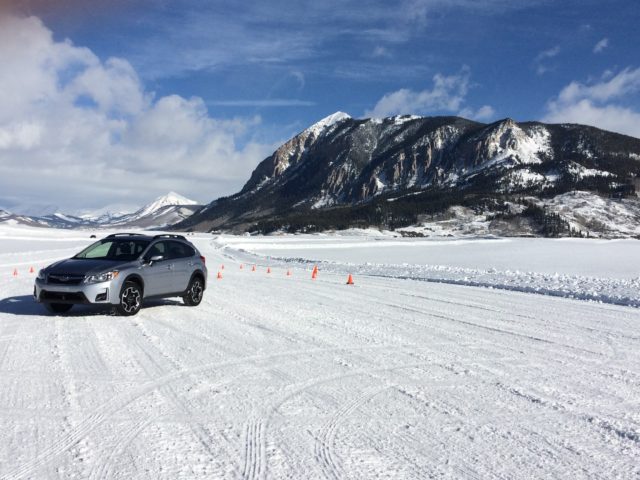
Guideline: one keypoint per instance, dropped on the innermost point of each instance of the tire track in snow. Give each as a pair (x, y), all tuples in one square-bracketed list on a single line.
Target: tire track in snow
[(117, 403), (153, 368), (541, 318), (8, 336), (324, 444), (255, 449), (305, 387), (104, 469), (501, 331)]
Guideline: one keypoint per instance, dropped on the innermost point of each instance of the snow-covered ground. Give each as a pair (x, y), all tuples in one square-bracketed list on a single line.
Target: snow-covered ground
[(277, 376), (598, 270)]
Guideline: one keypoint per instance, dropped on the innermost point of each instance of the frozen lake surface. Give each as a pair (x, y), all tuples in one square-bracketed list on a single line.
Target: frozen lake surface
[(282, 376)]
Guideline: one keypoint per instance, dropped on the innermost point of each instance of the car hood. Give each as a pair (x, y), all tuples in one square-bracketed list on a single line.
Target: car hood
[(77, 266)]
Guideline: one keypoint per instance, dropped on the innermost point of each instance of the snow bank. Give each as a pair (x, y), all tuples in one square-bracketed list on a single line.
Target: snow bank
[(594, 270)]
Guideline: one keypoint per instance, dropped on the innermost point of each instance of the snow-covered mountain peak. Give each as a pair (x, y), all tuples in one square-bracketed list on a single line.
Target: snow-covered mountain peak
[(173, 198), (170, 199), (291, 152), (328, 121)]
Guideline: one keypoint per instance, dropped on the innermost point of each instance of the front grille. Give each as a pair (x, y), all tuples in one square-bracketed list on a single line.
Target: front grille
[(63, 297), (64, 279)]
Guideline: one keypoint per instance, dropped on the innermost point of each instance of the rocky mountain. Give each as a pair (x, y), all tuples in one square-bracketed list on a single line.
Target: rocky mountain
[(161, 212), (344, 172)]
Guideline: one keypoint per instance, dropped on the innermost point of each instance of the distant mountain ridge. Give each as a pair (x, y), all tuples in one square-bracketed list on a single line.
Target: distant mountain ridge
[(402, 165), (161, 212)]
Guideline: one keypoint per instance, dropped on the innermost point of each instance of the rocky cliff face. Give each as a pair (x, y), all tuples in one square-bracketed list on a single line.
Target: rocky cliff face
[(341, 161)]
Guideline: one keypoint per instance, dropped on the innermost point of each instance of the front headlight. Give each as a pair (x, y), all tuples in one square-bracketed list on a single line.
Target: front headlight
[(42, 275), (101, 277)]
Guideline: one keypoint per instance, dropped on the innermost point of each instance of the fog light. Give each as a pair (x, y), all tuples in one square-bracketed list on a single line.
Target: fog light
[(102, 297)]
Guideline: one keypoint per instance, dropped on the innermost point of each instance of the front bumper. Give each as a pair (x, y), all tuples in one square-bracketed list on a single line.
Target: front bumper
[(96, 293)]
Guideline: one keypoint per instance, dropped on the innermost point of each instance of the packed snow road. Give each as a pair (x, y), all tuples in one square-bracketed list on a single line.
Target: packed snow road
[(277, 376)]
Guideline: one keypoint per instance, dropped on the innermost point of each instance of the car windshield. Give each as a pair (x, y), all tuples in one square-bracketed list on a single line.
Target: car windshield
[(114, 249)]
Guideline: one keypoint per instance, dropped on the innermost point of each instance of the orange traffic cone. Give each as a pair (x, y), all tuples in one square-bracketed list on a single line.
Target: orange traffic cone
[(31, 270), (314, 275), (288, 273), (350, 280), (219, 275), (268, 269), (15, 272)]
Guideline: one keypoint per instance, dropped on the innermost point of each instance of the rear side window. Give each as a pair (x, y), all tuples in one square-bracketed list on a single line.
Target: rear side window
[(180, 250), (158, 248)]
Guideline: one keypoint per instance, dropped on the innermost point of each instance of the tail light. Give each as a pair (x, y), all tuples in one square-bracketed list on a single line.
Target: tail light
[(204, 260)]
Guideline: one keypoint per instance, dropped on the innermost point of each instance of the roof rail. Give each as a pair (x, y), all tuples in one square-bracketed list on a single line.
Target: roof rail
[(124, 235), (168, 235)]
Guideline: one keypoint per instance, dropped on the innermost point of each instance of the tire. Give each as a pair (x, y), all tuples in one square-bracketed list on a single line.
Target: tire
[(58, 308), (195, 290), (130, 299)]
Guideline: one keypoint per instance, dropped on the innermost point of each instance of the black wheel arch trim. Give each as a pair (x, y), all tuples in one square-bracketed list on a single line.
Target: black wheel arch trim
[(135, 278), (199, 273)]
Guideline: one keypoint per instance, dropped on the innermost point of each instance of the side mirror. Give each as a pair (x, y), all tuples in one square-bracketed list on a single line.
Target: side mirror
[(152, 260)]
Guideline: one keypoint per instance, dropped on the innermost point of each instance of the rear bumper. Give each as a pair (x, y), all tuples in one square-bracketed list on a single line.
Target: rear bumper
[(97, 293)]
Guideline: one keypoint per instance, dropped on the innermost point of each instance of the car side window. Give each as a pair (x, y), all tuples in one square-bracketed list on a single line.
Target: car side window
[(99, 251), (159, 248), (178, 250)]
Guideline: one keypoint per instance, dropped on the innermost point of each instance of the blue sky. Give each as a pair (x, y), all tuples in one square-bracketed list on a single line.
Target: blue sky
[(254, 73)]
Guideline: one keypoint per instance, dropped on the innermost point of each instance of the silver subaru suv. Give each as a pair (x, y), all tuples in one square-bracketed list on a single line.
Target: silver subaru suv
[(122, 270)]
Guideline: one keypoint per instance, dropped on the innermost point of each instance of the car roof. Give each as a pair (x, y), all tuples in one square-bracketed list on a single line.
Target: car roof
[(140, 236)]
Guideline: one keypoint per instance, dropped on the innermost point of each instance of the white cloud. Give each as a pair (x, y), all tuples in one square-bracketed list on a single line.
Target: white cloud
[(20, 136), (624, 83), (550, 53), (447, 94), (486, 112), (381, 52), (81, 132), (601, 45), (265, 103), (593, 104), (540, 62)]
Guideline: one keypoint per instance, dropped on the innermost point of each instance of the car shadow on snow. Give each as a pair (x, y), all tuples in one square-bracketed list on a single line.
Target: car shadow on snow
[(25, 305), (21, 305), (160, 302)]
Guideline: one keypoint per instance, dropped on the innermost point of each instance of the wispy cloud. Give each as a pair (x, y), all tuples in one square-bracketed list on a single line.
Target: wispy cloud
[(601, 45), (541, 60), (381, 52), (213, 35), (274, 102), (594, 104)]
